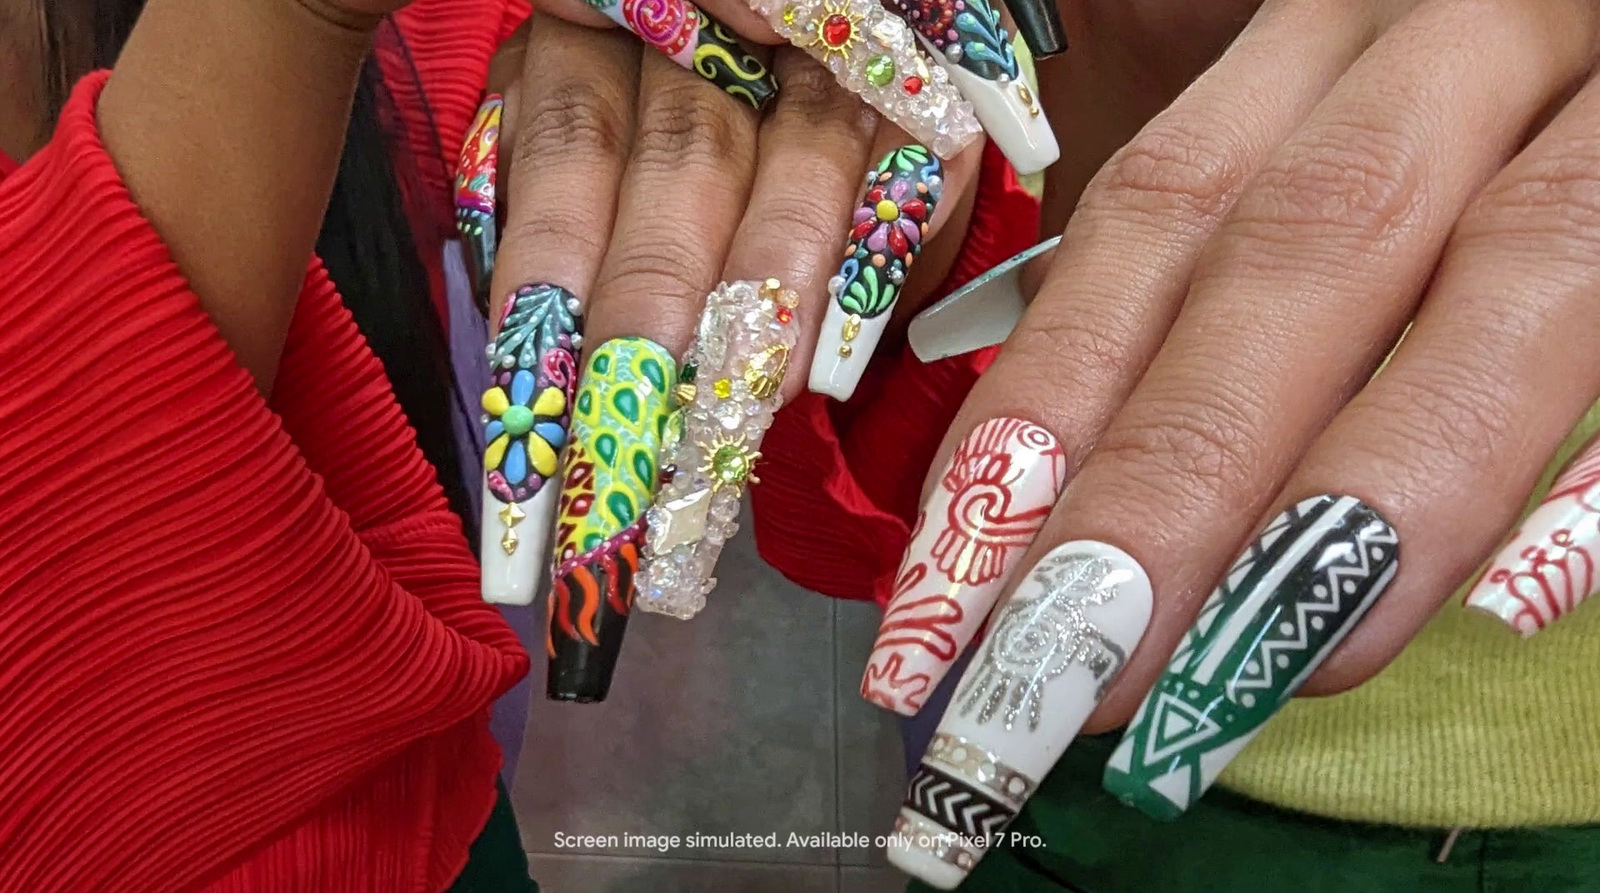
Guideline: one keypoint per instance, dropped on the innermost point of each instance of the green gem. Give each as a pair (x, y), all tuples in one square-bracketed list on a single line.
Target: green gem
[(731, 464), (518, 420), (880, 71), (690, 370)]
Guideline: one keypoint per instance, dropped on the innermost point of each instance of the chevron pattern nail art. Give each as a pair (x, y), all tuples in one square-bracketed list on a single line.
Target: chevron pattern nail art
[(956, 805), (1293, 595)]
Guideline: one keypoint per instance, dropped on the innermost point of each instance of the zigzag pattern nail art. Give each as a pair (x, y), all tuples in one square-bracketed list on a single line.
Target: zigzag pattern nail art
[(955, 804)]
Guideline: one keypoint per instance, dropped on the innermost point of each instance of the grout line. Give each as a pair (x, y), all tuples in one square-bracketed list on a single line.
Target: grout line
[(759, 863)]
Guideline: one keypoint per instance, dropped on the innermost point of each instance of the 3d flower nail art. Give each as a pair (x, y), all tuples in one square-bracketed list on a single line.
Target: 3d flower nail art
[(475, 196), (698, 42), (1055, 646), (872, 52), (967, 39), (527, 412), (1548, 567), (996, 492), (728, 390), (889, 227), (1288, 601), (619, 417)]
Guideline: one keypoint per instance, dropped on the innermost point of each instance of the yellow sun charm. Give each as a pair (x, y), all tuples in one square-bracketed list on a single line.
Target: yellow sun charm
[(837, 30), (731, 463)]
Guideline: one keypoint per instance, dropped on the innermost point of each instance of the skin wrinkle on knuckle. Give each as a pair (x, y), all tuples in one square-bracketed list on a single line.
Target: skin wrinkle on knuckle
[(1175, 166), (686, 126), (1555, 195), (813, 99), (791, 226), (552, 230), (573, 120)]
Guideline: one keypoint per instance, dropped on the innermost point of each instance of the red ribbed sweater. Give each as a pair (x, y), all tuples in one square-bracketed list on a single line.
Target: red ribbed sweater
[(241, 644)]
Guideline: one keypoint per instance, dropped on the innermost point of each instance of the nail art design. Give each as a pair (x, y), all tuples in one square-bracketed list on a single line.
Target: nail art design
[(1039, 23), (873, 54), (696, 41), (1287, 602), (1058, 643), (475, 196), (619, 417), (967, 39), (996, 492), (728, 393), (980, 314), (527, 412), (889, 226), (1548, 567)]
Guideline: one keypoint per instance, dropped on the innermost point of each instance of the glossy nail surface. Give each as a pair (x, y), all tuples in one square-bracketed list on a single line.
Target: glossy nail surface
[(623, 403), (1055, 646), (698, 42), (1548, 567), (527, 415), (728, 390), (967, 39), (475, 196), (1294, 594), (874, 54), (1039, 23), (886, 236), (996, 492), (980, 314)]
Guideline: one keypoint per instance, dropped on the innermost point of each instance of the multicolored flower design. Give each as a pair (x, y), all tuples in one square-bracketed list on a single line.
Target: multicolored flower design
[(889, 228), (528, 405)]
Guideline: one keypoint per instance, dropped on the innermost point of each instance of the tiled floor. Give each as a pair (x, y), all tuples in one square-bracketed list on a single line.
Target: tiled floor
[(744, 721)]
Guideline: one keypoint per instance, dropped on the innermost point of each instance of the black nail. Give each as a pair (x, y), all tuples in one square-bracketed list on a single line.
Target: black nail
[(1039, 23)]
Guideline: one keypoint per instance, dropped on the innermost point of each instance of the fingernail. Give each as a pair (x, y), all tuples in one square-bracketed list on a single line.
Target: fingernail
[(623, 402), (887, 234), (966, 38), (1548, 567), (980, 314), (1039, 23), (475, 196), (1055, 647), (1294, 594), (992, 498), (527, 414), (874, 55), (698, 42), (728, 392)]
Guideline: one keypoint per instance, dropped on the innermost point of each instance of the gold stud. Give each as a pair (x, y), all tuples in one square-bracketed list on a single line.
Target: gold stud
[(685, 393), (845, 351), (764, 374), (852, 327), (509, 541), (512, 515)]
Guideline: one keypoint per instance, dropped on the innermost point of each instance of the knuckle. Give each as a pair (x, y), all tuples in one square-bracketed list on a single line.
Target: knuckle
[(658, 269), (1074, 344), (805, 228), (1359, 181), (1444, 417), (814, 102), (686, 125), (559, 229), (575, 117), (1554, 194), (1178, 164)]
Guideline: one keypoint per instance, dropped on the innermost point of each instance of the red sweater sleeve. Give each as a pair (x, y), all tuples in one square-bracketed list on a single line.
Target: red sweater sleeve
[(241, 646)]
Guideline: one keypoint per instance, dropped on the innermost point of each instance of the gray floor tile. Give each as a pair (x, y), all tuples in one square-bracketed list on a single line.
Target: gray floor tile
[(872, 775), (724, 724), (871, 880), (603, 874)]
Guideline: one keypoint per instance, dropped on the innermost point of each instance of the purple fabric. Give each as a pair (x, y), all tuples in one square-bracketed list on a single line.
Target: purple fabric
[(917, 731)]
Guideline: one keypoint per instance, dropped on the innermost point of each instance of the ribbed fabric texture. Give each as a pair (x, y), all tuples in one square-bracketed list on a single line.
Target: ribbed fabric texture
[(241, 646)]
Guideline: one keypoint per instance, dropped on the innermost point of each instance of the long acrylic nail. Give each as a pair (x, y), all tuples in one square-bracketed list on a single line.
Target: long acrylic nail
[(1039, 23), (728, 391), (874, 55), (980, 314), (698, 42), (1548, 567), (1055, 647), (967, 39), (475, 196), (902, 193), (619, 416), (527, 414), (994, 495), (1294, 594)]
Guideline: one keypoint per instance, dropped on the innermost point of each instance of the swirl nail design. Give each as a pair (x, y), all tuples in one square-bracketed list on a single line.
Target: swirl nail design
[(698, 42), (475, 196)]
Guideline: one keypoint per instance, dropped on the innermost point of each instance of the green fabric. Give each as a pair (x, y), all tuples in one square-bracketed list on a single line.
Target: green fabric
[(1228, 844), (497, 862)]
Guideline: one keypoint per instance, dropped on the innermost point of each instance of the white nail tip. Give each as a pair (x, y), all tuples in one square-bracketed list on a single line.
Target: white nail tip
[(515, 546), (838, 365), (1010, 116), (980, 314)]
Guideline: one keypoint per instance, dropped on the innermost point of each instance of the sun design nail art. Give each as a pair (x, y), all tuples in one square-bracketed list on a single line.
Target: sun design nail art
[(527, 411), (1548, 567), (475, 196), (1302, 585), (619, 418), (696, 41), (874, 55), (742, 350)]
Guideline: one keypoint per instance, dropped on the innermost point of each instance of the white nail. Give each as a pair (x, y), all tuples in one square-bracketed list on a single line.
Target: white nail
[(516, 546), (1010, 114), (980, 314)]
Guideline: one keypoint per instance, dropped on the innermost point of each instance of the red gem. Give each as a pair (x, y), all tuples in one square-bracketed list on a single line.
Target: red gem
[(836, 30), (784, 315), (913, 85)]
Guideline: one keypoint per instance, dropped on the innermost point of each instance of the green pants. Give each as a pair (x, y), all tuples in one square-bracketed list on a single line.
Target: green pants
[(1227, 844), (497, 863)]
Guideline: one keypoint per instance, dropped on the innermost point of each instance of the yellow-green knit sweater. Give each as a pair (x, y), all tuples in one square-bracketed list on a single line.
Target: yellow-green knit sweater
[(1472, 726)]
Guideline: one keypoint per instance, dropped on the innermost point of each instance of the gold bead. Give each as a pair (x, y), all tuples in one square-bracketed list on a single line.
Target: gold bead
[(685, 393), (852, 327), (764, 374), (512, 515), (845, 351), (509, 542)]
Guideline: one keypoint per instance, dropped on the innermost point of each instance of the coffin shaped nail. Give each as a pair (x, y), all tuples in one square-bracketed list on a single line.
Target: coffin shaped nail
[(980, 314), (886, 236), (1055, 647), (1039, 23), (996, 492), (1294, 594), (966, 38), (475, 196), (874, 55), (610, 475), (728, 391), (527, 415), (1548, 567), (698, 42)]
